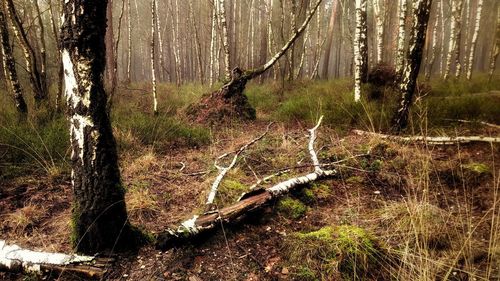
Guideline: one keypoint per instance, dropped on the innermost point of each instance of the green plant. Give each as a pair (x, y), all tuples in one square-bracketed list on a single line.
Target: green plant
[(291, 208)]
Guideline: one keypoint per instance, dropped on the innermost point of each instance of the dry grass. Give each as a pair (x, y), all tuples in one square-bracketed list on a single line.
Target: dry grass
[(24, 218)]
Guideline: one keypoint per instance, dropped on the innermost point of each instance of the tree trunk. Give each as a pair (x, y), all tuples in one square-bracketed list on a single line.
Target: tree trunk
[(99, 213), (9, 65), (225, 41), (213, 40), (153, 54), (360, 49), (473, 45), (129, 42), (37, 81), (329, 41), (495, 52), (43, 47), (454, 44), (414, 58), (433, 49), (229, 101), (110, 47), (60, 70), (379, 20), (403, 10)]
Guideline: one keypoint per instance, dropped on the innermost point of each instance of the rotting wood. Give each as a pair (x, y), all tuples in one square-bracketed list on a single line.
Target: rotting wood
[(252, 201), (431, 140), (15, 259)]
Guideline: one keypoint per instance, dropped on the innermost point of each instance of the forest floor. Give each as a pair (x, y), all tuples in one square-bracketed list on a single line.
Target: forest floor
[(395, 211)]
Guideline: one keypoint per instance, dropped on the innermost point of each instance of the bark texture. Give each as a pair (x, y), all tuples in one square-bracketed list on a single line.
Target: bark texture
[(9, 65), (99, 212), (360, 48), (414, 59)]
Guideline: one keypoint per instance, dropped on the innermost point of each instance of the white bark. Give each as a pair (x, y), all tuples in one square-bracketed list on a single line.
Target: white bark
[(17, 259), (403, 8), (129, 41), (454, 43), (160, 42), (359, 47), (431, 140), (225, 40), (223, 170), (153, 74), (472, 52), (377, 6)]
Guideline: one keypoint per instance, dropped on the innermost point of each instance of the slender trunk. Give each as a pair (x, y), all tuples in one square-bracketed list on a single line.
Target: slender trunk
[(99, 214), (433, 49), (9, 65), (454, 44), (60, 70), (473, 45), (36, 79), (161, 70), (213, 40), (43, 47), (403, 10), (110, 47), (360, 49), (199, 55), (379, 20), (496, 48), (153, 57), (114, 80), (225, 41), (458, 39), (329, 40), (129, 42), (414, 58)]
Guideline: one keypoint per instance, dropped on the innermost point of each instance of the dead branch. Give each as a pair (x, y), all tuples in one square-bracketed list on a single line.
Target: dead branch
[(480, 122), (15, 259), (431, 140), (248, 203), (223, 170)]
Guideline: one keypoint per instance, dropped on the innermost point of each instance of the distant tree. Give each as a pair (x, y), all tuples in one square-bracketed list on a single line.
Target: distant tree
[(99, 212), (36, 75), (403, 10), (360, 48), (475, 35), (9, 65), (408, 84), (154, 17), (454, 44)]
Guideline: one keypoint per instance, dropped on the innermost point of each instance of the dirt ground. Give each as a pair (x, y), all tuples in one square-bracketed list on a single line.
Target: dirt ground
[(169, 184)]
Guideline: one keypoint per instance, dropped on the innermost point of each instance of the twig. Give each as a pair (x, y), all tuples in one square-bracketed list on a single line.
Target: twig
[(314, 156), (223, 170), (480, 122)]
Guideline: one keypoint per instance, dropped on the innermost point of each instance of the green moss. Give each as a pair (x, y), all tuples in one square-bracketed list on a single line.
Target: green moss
[(314, 193), (355, 180), (347, 251), (292, 208), (478, 168), (306, 274), (230, 191)]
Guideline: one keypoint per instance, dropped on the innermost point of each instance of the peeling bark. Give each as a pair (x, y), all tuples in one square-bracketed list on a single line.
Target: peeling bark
[(99, 213), (431, 140), (403, 10), (414, 59), (475, 35)]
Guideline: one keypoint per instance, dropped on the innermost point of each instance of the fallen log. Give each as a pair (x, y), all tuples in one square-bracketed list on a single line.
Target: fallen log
[(431, 140), (16, 259), (251, 201)]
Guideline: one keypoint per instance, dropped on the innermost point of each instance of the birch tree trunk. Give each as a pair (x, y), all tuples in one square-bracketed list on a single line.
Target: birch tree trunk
[(377, 6), (162, 67), (9, 65), (418, 33), (153, 54), (110, 47), (37, 82), (403, 10), (225, 40), (470, 64), (43, 47), (213, 40), (99, 213), (199, 56), (495, 51), (360, 49), (433, 48), (454, 44)]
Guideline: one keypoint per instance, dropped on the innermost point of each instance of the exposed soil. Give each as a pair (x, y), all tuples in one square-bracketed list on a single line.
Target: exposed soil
[(179, 179)]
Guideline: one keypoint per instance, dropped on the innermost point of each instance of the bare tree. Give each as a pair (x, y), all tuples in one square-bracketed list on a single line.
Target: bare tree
[(153, 54), (9, 65), (454, 44), (225, 40), (329, 39), (99, 212), (403, 10), (36, 78), (414, 58)]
